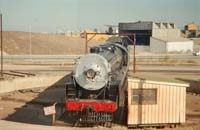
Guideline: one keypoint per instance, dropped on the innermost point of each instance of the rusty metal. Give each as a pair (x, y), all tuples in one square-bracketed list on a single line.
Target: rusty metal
[(134, 44), (18, 74), (91, 37), (134, 55), (103, 33), (14, 74), (1, 45), (24, 73), (87, 40), (172, 71), (134, 58), (134, 52), (86, 43)]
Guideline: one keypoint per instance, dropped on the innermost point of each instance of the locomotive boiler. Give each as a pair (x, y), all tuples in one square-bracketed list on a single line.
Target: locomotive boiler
[(92, 95)]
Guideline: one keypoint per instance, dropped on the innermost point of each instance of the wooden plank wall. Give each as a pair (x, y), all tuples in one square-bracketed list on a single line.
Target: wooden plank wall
[(170, 106)]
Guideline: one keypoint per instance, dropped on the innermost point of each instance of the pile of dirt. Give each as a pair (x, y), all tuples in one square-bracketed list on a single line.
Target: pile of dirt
[(42, 43)]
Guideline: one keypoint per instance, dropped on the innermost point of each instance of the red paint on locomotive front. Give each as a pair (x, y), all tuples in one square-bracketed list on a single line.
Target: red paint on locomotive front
[(97, 106)]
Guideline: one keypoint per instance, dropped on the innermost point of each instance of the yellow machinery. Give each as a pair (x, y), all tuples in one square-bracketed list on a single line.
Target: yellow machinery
[(191, 27)]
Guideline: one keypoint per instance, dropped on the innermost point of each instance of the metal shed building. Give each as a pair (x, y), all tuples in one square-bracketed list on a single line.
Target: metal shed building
[(170, 45), (152, 103)]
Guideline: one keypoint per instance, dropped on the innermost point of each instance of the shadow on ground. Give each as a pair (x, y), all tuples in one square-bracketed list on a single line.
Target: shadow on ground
[(32, 112), (194, 85)]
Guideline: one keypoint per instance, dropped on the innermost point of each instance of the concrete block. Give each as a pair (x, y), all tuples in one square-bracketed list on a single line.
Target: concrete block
[(30, 82)]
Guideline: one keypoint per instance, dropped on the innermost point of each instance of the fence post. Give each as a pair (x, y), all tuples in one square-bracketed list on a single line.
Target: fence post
[(134, 59), (1, 44), (30, 42)]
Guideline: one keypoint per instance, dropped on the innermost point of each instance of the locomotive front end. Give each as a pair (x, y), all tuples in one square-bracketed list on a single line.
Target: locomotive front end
[(91, 72), (93, 91)]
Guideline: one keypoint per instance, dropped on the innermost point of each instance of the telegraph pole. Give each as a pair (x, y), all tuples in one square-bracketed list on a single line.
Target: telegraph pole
[(30, 42), (1, 44)]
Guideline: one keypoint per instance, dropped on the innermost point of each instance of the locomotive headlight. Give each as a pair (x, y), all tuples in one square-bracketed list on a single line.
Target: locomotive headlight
[(90, 73)]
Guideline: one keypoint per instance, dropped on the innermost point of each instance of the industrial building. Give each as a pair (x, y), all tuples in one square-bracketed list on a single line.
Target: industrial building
[(191, 27), (157, 36), (191, 31)]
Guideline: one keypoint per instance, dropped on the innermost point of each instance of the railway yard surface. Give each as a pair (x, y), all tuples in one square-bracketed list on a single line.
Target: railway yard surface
[(99, 65), (39, 80), (26, 106)]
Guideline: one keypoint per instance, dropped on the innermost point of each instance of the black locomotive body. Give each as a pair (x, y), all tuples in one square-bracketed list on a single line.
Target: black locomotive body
[(92, 96)]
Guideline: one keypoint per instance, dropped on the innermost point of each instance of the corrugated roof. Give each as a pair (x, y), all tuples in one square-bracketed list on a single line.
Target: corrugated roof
[(156, 79)]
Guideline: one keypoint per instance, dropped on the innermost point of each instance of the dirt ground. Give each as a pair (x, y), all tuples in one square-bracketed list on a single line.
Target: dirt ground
[(43, 43), (19, 43), (27, 105), (193, 109)]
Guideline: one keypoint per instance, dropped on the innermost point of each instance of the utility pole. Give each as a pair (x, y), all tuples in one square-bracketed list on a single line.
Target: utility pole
[(1, 24), (30, 42)]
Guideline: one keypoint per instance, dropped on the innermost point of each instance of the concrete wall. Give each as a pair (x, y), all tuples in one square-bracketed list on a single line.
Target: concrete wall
[(161, 46), (157, 45), (166, 33), (183, 46), (139, 48), (29, 82)]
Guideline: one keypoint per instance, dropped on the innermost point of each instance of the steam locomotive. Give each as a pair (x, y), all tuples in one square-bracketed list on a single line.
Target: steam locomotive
[(92, 95)]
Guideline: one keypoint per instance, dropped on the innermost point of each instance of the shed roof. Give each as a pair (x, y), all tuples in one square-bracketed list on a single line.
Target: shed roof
[(156, 79)]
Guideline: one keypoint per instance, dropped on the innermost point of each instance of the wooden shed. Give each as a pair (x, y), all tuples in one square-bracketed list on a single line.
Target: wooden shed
[(153, 103)]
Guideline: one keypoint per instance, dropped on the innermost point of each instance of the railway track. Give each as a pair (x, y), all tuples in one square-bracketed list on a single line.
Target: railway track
[(37, 105), (20, 72), (172, 71)]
